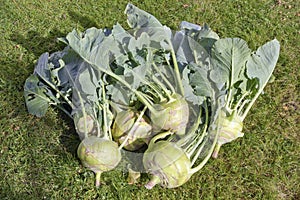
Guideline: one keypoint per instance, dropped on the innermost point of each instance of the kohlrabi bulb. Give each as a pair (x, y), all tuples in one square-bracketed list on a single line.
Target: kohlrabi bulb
[(167, 163), (84, 125), (123, 126), (99, 155), (172, 115), (230, 129)]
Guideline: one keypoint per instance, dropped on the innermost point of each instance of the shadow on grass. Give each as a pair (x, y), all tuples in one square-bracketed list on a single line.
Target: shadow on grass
[(37, 44), (84, 21), (13, 83), (69, 139)]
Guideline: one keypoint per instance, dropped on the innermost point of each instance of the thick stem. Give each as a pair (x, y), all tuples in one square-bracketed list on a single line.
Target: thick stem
[(105, 108), (162, 87), (84, 114), (160, 136), (191, 133), (232, 70), (240, 100), (204, 133), (154, 181), (251, 104), (117, 107), (176, 69), (145, 82), (216, 150), (97, 121), (59, 92), (156, 91), (195, 169), (137, 93), (242, 107), (164, 78), (199, 149), (227, 106), (98, 177)]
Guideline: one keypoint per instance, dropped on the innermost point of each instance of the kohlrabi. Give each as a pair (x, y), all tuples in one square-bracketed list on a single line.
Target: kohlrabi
[(129, 132), (99, 155), (66, 81), (171, 161), (241, 76)]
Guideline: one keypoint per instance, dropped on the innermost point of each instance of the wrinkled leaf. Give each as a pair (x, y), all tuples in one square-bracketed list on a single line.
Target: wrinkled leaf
[(196, 84), (137, 18), (262, 63), (200, 82), (94, 47), (36, 98), (119, 94), (229, 57)]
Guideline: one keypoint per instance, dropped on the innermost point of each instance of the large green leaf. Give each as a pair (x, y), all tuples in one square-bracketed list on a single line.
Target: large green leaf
[(138, 18), (203, 35), (143, 22), (94, 47), (262, 63), (88, 84), (196, 84), (42, 69), (36, 98), (229, 57)]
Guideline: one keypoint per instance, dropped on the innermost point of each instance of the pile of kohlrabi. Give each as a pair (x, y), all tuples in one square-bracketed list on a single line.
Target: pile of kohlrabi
[(168, 99)]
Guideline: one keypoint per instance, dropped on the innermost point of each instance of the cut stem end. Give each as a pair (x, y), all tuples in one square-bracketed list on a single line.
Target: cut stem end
[(98, 175), (216, 151), (154, 180)]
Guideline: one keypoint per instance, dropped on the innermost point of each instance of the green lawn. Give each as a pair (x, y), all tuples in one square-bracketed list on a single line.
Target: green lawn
[(38, 155)]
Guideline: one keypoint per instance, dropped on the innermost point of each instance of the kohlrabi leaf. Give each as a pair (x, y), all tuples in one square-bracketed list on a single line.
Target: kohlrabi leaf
[(182, 48), (94, 47), (262, 62), (136, 75), (200, 55), (199, 81), (143, 41), (80, 76), (88, 83), (121, 35), (36, 98), (51, 72), (119, 94), (47, 85), (56, 70), (203, 35), (191, 44), (41, 69), (137, 18), (197, 32), (196, 84), (143, 22), (160, 37), (229, 58)]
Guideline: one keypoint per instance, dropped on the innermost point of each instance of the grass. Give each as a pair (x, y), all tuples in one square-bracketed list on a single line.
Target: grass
[(38, 155)]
